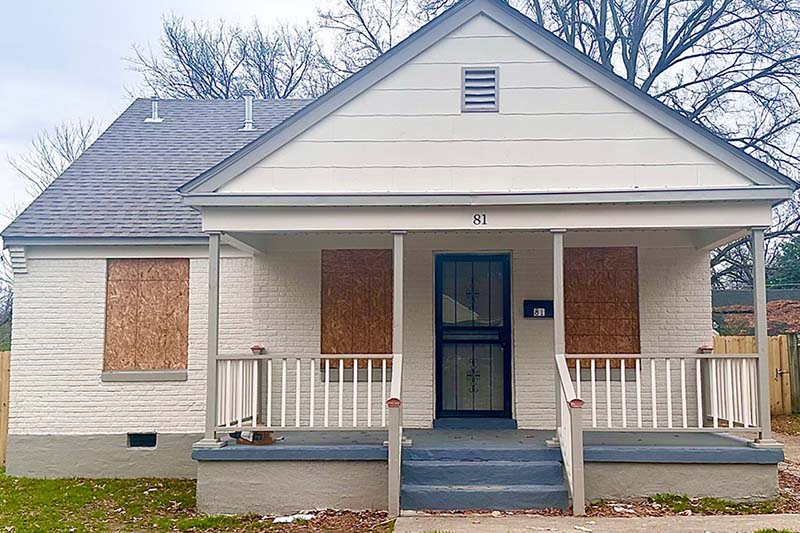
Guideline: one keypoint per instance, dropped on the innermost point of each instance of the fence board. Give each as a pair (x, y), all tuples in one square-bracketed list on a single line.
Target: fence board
[(780, 378), (5, 374)]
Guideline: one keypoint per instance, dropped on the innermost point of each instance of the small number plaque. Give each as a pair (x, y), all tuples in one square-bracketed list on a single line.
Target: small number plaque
[(537, 308)]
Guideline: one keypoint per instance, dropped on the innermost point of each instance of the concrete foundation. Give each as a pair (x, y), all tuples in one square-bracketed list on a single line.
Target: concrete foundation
[(100, 456), (737, 482), (285, 487)]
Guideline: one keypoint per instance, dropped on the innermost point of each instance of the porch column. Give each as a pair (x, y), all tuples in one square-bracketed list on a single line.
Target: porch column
[(559, 340), (209, 439), (762, 339), (395, 403)]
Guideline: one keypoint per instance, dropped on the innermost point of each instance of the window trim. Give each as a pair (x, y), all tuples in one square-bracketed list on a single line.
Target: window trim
[(141, 376)]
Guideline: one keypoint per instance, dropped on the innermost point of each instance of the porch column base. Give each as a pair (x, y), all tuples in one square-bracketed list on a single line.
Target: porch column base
[(765, 443), (553, 443), (209, 443)]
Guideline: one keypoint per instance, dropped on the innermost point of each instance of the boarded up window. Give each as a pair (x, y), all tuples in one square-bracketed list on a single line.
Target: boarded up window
[(601, 300), (356, 302), (147, 314)]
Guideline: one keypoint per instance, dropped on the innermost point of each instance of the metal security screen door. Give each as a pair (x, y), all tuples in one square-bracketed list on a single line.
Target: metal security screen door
[(473, 336)]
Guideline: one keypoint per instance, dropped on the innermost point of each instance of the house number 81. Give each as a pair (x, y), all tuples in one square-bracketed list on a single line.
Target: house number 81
[(479, 219)]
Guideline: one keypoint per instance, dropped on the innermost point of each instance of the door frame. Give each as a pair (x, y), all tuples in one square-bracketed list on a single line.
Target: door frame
[(506, 332)]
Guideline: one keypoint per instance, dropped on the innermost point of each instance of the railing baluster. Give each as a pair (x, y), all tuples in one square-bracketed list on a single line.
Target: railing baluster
[(369, 393), (297, 394), (312, 390), (229, 393), (383, 393), (699, 385), (341, 391), (608, 392), (355, 393), (624, 394), (594, 393), (578, 377), (638, 393), (239, 392), (669, 392), (269, 393), (745, 392), (729, 392), (653, 404), (327, 388), (283, 393), (714, 398), (254, 399), (683, 392)]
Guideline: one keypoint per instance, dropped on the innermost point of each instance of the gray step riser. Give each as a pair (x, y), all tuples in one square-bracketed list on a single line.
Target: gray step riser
[(482, 473), (421, 498), (485, 454)]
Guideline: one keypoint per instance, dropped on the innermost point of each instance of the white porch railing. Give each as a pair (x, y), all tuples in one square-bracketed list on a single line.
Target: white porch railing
[(570, 436), (268, 392), (693, 392)]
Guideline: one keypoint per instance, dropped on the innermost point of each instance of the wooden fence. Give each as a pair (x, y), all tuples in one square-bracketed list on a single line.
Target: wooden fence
[(783, 360), (5, 374)]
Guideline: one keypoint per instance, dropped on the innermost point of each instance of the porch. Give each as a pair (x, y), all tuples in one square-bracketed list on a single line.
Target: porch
[(667, 395), (477, 469)]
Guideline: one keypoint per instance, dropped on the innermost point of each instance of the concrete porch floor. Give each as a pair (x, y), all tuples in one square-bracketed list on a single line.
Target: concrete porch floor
[(662, 447)]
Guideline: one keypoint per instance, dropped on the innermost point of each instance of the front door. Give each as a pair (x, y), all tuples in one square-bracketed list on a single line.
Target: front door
[(473, 336)]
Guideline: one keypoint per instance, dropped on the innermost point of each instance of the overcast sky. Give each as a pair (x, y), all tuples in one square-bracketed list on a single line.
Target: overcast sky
[(63, 60)]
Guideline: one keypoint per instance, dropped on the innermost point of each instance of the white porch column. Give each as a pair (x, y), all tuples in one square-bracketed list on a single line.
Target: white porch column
[(209, 439), (762, 336), (559, 340), (395, 403)]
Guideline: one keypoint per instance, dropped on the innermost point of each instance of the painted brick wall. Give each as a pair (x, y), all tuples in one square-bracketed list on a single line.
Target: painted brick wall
[(274, 300), (57, 352)]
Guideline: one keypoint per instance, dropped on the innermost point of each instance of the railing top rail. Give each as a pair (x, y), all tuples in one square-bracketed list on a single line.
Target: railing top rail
[(566, 381), (226, 357), (664, 356), (395, 392)]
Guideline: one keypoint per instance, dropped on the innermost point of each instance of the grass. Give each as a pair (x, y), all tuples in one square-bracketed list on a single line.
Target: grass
[(135, 505), (786, 424), (679, 504), (773, 530)]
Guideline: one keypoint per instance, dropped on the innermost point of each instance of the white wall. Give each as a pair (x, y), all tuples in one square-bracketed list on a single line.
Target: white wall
[(57, 351), (555, 130)]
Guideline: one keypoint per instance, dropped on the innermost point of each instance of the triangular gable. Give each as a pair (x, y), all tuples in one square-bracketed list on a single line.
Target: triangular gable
[(432, 33)]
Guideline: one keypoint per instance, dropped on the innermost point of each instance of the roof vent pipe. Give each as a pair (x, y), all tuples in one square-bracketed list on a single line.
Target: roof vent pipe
[(248, 110), (154, 118)]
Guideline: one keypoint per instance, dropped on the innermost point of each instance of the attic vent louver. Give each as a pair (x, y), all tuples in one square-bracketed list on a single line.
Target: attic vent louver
[(479, 91)]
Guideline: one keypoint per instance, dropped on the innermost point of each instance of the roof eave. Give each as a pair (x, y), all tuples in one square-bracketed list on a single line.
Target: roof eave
[(774, 194)]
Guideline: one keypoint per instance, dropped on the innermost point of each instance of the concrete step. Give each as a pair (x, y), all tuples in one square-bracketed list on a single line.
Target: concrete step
[(460, 473), (483, 453), (484, 497), (475, 423)]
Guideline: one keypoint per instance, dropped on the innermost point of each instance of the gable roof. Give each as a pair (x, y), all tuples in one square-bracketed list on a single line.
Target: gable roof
[(212, 179), (125, 184)]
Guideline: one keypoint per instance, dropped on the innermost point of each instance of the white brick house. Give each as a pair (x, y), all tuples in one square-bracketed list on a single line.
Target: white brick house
[(482, 195)]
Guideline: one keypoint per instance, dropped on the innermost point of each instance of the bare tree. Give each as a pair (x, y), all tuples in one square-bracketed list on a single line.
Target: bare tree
[(202, 61), (364, 30), (51, 152)]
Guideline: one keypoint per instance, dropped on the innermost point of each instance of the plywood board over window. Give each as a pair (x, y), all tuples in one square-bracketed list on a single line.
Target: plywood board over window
[(356, 313), (601, 301), (147, 314)]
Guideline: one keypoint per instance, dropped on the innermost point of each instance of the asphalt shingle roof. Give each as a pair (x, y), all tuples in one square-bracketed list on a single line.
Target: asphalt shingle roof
[(125, 184)]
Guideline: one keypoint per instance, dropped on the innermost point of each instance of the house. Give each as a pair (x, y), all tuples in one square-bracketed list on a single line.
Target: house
[(482, 249)]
